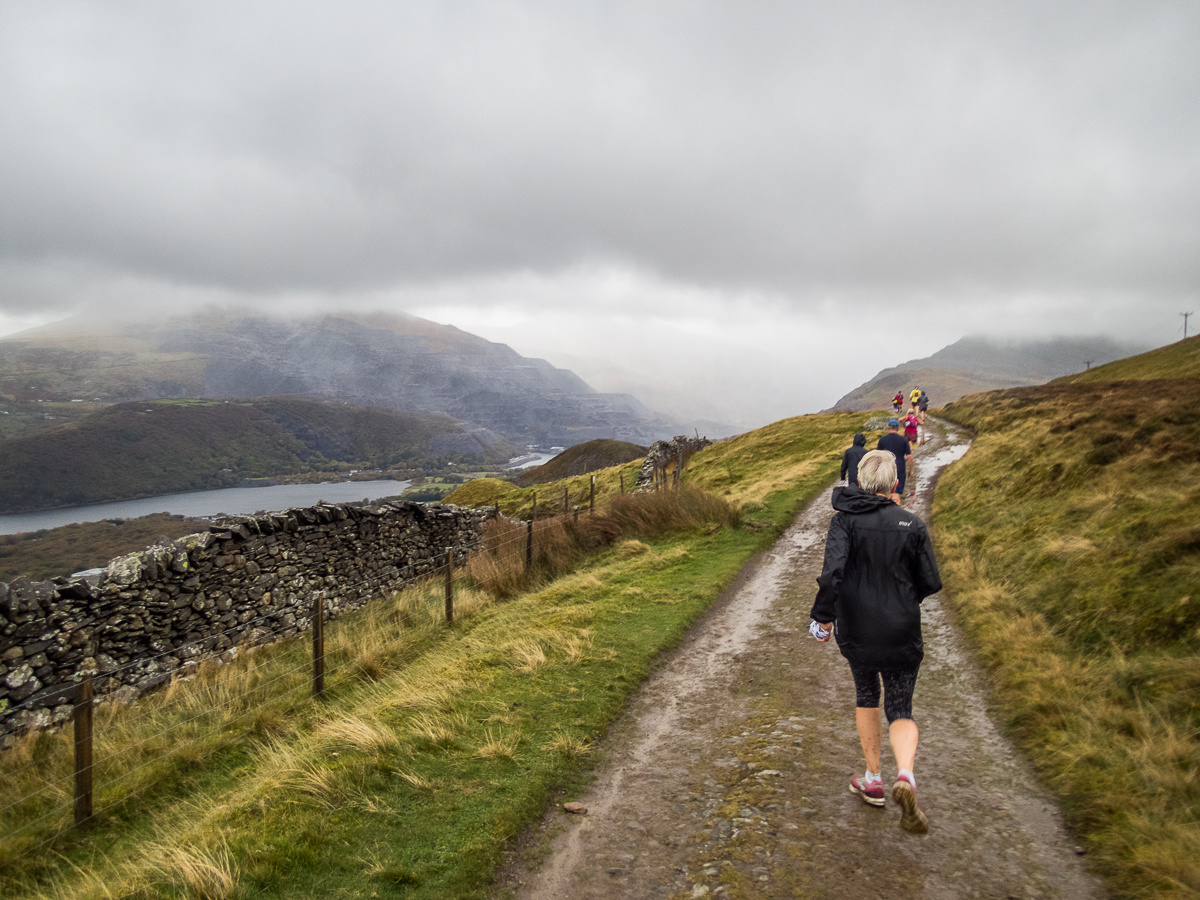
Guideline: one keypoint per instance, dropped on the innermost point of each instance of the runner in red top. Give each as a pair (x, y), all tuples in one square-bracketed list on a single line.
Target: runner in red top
[(911, 422)]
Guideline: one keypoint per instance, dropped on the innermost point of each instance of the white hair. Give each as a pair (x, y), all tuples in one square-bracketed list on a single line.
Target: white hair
[(877, 472)]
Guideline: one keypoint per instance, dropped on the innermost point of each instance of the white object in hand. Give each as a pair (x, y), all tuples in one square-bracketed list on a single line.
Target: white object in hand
[(817, 631)]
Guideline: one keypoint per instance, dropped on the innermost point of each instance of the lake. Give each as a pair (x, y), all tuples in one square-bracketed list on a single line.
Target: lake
[(537, 460), (231, 501)]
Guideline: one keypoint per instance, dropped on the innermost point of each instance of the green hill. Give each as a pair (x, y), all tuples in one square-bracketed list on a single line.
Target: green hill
[(149, 448), (1178, 360), (583, 459), (1069, 543)]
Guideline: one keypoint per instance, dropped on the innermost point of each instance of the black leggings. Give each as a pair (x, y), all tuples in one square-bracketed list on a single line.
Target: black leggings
[(898, 687)]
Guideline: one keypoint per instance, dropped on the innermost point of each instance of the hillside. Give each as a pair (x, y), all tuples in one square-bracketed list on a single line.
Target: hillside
[(1069, 545), (976, 364), (582, 459), (1178, 360), (398, 362), (53, 552), (145, 449)]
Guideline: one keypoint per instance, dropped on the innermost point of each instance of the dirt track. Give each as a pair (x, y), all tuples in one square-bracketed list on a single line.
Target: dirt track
[(728, 775)]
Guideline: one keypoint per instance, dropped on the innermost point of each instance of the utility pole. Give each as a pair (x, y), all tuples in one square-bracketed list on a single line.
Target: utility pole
[(1088, 363), (1185, 318)]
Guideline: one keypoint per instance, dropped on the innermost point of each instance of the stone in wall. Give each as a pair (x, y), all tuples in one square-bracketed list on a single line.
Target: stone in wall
[(247, 580)]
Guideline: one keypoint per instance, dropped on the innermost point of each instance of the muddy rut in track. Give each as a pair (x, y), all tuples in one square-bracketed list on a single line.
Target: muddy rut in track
[(728, 775)]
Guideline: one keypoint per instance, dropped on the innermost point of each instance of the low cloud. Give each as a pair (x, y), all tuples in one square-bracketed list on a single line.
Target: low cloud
[(773, 181)]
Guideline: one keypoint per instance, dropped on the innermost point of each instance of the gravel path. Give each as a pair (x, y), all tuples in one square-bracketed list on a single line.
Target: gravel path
[(728, 775)]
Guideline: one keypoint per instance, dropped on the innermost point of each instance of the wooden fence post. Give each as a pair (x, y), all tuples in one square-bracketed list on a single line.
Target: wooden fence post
[(319, 645), (679, 469), (449, 585), (528, 545), (622, 482), (592, 498), (83, 750)]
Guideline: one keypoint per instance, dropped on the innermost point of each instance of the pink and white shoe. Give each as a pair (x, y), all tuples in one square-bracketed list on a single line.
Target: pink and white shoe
[(870, 791), (912, 819)]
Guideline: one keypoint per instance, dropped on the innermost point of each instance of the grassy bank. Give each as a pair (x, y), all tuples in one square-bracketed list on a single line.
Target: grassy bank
[(437, 744), (1069, 543)]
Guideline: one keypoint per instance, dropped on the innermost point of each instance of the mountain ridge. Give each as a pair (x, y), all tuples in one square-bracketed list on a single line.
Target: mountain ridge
[(389, 360), (974, 364)]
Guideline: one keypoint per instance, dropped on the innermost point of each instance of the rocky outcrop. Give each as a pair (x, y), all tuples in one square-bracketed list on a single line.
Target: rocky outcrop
[(248, 580)]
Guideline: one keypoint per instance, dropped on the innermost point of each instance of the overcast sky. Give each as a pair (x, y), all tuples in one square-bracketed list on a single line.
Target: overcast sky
[(761, 204)]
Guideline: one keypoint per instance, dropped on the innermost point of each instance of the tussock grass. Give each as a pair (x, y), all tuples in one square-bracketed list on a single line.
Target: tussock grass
[(499, 746), (527, 655), (198, 873), (1067, 538), (367, 735), (570, 746), (439, 731)]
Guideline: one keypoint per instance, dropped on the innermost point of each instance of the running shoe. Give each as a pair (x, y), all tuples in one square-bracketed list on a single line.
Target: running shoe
[(912, 819), (870, 791)]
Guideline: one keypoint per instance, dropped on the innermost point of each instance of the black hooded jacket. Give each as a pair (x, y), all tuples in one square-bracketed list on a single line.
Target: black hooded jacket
[(852, 457), (879, 566)]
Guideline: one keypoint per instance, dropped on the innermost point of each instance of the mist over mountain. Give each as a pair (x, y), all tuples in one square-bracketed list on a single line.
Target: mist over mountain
[(976, 364), (394, 361)]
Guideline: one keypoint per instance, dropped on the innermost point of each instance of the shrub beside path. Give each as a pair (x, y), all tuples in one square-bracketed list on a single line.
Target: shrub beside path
[(727, 776)]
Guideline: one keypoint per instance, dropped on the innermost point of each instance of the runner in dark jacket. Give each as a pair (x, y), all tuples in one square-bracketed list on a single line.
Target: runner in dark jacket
[(851, 457), (879, 566)]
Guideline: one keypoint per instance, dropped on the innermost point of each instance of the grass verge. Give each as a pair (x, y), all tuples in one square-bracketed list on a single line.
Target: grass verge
[(1069, 544)]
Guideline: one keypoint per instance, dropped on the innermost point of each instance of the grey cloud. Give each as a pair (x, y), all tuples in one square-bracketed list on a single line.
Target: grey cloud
[(801, 149)]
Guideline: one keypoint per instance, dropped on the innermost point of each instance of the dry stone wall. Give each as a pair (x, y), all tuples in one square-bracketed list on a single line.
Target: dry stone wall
[(247, 580), (663, 453)]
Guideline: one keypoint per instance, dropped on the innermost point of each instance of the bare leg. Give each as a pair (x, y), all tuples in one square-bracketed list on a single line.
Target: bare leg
[(870, 734), (903, 736)]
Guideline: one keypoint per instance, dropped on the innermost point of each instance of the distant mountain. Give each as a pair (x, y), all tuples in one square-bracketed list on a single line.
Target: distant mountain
[(976, 364), (396, 361)]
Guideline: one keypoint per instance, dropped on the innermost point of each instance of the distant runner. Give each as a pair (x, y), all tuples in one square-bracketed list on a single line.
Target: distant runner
[(901, 449), (911, 426), (851, 458), (913, 398), (879, 566), (897, 402), (923, 406)]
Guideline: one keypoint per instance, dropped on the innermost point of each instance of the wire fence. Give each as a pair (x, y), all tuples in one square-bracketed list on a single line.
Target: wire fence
[(123, 754)]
